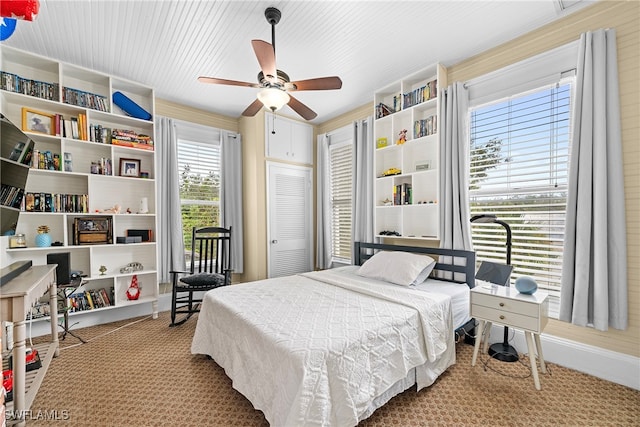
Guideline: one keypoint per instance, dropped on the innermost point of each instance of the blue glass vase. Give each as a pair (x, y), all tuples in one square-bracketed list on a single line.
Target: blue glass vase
[(43, 240)]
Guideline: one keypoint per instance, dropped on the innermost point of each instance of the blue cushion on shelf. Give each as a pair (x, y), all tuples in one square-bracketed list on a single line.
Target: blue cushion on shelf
[(130, 107), (204, 279)]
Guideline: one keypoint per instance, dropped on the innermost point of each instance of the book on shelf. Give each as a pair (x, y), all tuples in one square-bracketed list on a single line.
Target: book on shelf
[(68, 162), (383, 110), (67, 128), (420, 95), (14, 83), (21, 152), (102, 167), (57, 128), (74, 128), (425, 127), (99, 133), (89, 299), (129, 138), (402, 194), (11, 196), (55, 202), (17, 151), (84, 99), (45, 160), (82, 127), (27, 154)]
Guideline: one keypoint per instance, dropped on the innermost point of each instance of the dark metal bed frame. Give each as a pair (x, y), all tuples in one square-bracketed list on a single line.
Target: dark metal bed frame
[(458, 261), (364, 251)]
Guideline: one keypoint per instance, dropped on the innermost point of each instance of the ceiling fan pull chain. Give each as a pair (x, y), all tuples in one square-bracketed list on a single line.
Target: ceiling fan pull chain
[(273, 128)]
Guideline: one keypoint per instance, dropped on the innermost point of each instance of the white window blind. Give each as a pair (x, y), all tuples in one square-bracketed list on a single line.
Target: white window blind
[(519, 164), (341, 177), (199, 168)]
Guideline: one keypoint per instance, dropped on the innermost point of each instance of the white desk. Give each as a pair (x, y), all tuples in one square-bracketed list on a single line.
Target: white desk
[(508, 307), (16, 299)]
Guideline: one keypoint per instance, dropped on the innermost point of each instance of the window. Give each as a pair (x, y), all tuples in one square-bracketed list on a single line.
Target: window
[(519, 163), (199, 168), (341, 187)]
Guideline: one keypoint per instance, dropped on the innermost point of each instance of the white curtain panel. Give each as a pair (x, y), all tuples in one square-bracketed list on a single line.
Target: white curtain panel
[(362, 217), (232, 195), (455, 226), (323, 205), (594, 273), (170, 240)]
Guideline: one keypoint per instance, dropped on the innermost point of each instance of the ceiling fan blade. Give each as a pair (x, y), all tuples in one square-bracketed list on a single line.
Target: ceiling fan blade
[(321, 83), (304, 111), (252, 109), (226, 82), (266, 58)]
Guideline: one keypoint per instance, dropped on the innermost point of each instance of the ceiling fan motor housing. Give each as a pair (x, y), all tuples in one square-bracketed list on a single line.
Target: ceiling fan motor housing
[(273, 15), (281, 82)]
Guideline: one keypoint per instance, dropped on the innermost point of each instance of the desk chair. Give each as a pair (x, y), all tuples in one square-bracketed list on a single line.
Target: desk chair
[(68, 283), (210, 268)]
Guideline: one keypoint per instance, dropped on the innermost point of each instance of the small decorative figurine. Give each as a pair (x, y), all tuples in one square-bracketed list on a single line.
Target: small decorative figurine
[(114, 209), (402, 137), (133, 292), (102, 270)]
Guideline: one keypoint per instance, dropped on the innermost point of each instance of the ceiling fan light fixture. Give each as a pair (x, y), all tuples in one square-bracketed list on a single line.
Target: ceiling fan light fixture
[(273, 98)]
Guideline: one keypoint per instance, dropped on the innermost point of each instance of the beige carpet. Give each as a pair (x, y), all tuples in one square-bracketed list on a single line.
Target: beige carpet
[(144, 375)]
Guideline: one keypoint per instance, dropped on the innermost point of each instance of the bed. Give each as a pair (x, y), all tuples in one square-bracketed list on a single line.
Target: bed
[(328, 348)]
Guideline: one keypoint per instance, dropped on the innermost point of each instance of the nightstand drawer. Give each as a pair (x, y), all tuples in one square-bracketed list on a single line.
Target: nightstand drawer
[(505, 304), (515, 320)]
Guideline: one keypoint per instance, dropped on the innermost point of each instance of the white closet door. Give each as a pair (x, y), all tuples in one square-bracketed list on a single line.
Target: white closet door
[(290, 215)]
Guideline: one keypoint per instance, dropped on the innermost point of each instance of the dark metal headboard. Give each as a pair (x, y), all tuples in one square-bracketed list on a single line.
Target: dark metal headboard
[(364, 251)]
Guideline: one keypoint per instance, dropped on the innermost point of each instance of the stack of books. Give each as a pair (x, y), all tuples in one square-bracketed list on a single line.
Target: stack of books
[(129, 138)]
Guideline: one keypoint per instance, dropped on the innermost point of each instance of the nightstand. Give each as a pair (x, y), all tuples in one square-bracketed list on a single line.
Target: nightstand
[(506, 306)]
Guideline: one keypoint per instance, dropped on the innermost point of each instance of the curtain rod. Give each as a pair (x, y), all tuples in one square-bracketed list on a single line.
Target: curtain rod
[(552, 55), (488, 77)]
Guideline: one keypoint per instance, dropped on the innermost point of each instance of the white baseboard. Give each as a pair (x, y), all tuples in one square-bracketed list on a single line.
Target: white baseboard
[(602, 363)]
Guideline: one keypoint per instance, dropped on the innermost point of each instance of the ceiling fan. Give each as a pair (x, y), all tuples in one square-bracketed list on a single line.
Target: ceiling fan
[(275, 84)]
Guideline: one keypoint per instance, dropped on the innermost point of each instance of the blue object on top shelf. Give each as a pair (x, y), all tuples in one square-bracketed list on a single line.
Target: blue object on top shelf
[(130, 107)]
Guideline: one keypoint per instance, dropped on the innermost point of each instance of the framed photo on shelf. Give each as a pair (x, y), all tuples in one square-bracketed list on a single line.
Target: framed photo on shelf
[(423, 165), (37, 121), (130, 168)]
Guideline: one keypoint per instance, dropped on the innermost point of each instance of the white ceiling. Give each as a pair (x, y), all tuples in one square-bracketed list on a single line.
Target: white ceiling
[(368, 44)]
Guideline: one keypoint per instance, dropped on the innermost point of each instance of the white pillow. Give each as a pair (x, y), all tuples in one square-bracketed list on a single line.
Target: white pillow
[(400, 268)]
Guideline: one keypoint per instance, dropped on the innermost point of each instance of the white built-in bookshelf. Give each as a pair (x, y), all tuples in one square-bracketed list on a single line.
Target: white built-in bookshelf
[(406, 183), (75, 178)]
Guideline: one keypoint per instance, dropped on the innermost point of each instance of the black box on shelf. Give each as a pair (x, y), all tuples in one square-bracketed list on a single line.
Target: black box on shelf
[(129, 239), (146, 235)]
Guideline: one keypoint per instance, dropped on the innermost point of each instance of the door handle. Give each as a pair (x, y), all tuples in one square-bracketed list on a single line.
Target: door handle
[(274, 241)]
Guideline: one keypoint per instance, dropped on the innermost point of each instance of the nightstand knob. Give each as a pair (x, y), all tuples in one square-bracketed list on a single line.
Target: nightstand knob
[(501, 317), (501, 304)]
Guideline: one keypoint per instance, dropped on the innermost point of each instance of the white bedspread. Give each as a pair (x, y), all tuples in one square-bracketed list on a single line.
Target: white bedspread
[(316, 349)]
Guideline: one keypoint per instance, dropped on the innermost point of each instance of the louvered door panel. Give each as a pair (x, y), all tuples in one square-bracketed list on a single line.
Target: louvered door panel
[(290, 219)]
